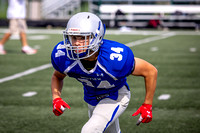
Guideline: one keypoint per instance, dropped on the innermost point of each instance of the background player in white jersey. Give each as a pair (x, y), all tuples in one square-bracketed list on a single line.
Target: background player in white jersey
[(16, 14), (102, 67)]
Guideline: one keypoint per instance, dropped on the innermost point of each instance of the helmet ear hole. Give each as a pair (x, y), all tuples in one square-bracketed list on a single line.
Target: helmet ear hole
[(100, 38)]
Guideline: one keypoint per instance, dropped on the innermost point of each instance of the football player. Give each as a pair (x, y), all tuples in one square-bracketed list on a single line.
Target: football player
[(102, 67), (16, 13)]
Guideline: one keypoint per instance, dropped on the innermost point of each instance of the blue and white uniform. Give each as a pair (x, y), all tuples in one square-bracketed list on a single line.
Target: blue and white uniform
[(114, 63)]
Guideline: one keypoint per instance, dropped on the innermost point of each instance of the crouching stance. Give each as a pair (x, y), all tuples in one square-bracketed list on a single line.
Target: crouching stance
[(102, 67)]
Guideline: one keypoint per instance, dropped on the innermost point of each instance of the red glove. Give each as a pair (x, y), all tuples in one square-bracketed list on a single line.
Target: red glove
[(59, 106), (146, 113)]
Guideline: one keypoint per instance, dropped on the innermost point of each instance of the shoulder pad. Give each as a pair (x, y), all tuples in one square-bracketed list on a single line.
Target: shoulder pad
[(117, 58), (59, 57)]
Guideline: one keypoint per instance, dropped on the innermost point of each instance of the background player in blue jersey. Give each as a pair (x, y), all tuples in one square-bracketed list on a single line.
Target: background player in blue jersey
[(102, 67)]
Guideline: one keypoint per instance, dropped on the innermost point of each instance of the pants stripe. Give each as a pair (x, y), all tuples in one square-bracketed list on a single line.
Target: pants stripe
[(113, 115)]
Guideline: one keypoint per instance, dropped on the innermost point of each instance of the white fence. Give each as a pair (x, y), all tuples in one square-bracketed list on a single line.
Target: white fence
[(186, 15)]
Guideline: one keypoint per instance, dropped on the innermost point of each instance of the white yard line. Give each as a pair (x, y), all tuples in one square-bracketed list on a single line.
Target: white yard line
[(150, 39), (135, 43), (164, 97), (27, 72), (29, 94)]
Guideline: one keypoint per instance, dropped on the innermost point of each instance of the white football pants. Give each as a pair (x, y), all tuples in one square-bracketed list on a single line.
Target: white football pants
[(104, 117)]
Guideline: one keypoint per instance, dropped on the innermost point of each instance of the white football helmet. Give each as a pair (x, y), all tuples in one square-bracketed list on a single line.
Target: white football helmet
[(86, 25)]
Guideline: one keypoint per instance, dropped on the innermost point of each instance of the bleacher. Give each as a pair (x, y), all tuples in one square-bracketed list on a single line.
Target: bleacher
[(64, 9), (138, 13)]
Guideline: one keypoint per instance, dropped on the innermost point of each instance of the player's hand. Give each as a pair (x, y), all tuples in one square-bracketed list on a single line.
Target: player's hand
[(146, 113), (59, 106)]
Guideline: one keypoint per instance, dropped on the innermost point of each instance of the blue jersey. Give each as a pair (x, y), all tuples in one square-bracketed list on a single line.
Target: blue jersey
[(114, 63)]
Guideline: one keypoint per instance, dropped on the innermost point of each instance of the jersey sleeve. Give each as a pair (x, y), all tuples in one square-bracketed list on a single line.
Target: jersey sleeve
[(130, 62), (57, 57), (53, 62), (126, 65)]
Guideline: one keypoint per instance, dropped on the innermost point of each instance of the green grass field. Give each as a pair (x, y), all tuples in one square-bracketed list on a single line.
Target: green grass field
[(177, 59)]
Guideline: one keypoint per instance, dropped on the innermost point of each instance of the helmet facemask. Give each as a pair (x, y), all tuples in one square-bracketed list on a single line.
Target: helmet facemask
[(87, 49)]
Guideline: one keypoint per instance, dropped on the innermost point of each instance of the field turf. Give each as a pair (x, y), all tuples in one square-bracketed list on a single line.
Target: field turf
[(177, 59)]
